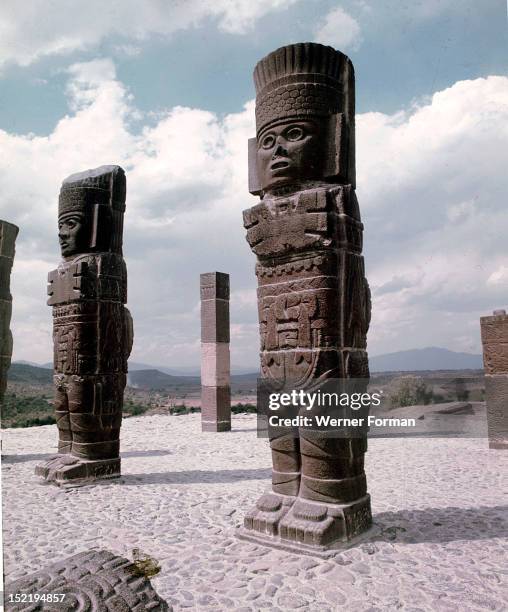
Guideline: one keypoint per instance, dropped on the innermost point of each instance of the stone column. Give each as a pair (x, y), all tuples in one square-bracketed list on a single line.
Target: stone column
[(92, 328), (8, 233), (215, 377), (313, 298), (495, 359)]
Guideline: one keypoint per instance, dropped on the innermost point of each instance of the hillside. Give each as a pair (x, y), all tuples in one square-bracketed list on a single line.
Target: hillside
[(430, 358)]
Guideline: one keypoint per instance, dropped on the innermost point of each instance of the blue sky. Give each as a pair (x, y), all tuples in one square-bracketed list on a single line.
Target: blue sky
[(165, 89), (404, 50)]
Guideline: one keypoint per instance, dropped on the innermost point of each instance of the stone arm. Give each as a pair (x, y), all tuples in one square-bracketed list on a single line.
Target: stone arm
[(129, 332)]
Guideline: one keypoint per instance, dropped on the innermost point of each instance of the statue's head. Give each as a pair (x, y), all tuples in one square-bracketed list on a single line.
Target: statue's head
[(304, 118), (90, 211)]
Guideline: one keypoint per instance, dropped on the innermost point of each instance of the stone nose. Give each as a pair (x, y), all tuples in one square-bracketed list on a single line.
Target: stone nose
[(280, 151)]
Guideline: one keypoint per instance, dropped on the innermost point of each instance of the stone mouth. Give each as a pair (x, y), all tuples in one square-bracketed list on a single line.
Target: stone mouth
[(278, 165)]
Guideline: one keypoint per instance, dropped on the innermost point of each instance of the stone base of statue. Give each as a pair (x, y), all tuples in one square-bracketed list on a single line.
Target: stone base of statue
[(69, 471), (304, 526)]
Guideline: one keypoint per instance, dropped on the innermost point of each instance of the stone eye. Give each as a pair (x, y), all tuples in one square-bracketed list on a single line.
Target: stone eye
[(295, 133), (268, 141)]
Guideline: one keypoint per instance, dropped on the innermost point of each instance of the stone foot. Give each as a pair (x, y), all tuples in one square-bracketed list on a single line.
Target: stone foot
[(322, 525), (267, 513), (308, 527), (66, 470)]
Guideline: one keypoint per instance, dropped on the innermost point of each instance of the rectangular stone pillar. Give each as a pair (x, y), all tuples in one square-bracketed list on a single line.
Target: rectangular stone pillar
[(495, 359), (215, 368)]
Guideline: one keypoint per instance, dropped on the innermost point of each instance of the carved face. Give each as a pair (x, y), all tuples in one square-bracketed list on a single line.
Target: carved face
[(72, 233), (289, 153)]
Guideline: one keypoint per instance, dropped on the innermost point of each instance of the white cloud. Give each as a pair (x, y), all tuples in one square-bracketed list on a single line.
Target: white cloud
[(32, 30), (339, 30), (431, 185)]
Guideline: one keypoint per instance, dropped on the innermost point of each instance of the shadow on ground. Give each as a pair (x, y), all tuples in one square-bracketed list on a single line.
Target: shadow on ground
[(196, 476), (442, 525), (38, 457)]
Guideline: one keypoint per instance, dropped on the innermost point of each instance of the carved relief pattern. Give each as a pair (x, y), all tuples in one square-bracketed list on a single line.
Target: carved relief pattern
[(313, 295)]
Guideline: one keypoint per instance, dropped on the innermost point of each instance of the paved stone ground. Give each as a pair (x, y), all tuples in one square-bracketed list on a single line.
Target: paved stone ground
[(438, 503)]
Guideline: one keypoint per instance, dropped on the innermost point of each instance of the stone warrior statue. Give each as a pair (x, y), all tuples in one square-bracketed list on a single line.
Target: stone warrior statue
[(8, 233), (92, 329), (313, 298)]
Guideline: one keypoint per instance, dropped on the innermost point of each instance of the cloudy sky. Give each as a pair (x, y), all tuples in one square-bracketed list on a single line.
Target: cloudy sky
[(164, 89)]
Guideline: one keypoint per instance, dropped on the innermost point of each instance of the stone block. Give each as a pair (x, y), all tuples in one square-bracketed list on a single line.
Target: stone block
[(214, 285), (496, 393), (215, 320), (215, 408), (215, 365)]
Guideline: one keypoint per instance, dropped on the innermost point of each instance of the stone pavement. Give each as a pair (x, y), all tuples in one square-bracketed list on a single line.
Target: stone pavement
[(438, 504)]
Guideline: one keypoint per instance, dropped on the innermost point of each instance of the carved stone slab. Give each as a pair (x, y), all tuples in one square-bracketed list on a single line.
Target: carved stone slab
[(92, 581)]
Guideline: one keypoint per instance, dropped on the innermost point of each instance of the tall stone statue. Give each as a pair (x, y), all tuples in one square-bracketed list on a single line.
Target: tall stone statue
[(313, 298), (8, 233), (92, 329)]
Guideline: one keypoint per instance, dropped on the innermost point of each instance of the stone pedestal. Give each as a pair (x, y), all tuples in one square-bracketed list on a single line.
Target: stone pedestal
[(215, 363), (495, 359), (8, 233), (313, 297)]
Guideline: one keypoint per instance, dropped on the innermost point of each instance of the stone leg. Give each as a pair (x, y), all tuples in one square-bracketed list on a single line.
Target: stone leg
[(333, 506), (94, 422), (272, 506), (48, 468), (62, 420)]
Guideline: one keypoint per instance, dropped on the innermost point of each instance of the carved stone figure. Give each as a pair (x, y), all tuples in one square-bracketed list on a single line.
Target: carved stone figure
[(215, 365), (8, 233), (92, 329), (313, 298), (91, 581), (495, 359)]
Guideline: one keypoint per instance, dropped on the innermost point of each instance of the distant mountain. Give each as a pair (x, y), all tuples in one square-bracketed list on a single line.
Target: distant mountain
[(179, 371), (155, 379), (159, 381), (30, 363), (23, 372), (185, 370), (431, 358)]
